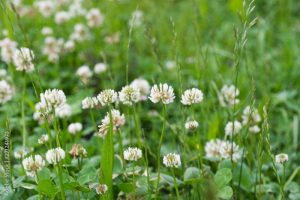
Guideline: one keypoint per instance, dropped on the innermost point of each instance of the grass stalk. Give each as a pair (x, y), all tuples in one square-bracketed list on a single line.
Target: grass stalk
[(159, 148)]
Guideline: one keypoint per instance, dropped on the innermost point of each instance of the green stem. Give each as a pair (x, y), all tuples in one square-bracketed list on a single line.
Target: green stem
[(37, 182), (283, 182), (107, 158), (61, 182), (121, 148), (48, 132), (137, 128), (158, 150), (133, 180), (175, 184), (23, 112), (93, 120), (55, 126)]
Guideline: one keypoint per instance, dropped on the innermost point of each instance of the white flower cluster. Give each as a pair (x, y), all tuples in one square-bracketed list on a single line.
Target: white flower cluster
[(162, 93), (20, 153), (80, 33), (33, 164), (100, 68), (281, 158), (218, 149), (8, 48), (23, 59), (62, 17), (228, 95), (192, 96), (170, 64), (118, 120), (136, 18), (53, 97), (74, 128), (172, 160), (113, 38), (101, 189), (78, 151), (6, 91), (53, 48), (251, 118), (143, 86), (129, 95), (64, 110), (94, 18), (132, 154), (191, 125), (46, 31), (233, 128), (54, 156), (84, 73), (45, 7), (107, 97), (43, 139), (90, 102)]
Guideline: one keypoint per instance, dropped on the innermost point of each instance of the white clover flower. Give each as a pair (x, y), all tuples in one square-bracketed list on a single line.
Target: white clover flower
[(281, 158), (78, 151), (250, 116), (43, 139), (94, 18), (42, 109), (3, 73), (42, 106), (8, 48), (80, 34), (107, 97), (100, 68), (172, 160), (76, 8), (170, 64), (33, 164), (233, 128), (84, 73), (143, 86), (113, 39), (74, 128), (20, 153), (46, 7), (90, 102), (53, 48), (20, 8), (230, 149), (47, 31), (191, 125), (62, 17), (69, 46), (136, 18), (163, 93), (212, 149), (53, 98), (129, 95), (101, 189), (54, 156), (6, 91), (23, 58), (228, 95), (254, 129), (118, 120), (192, 96), (132, 154), (64, 110)]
